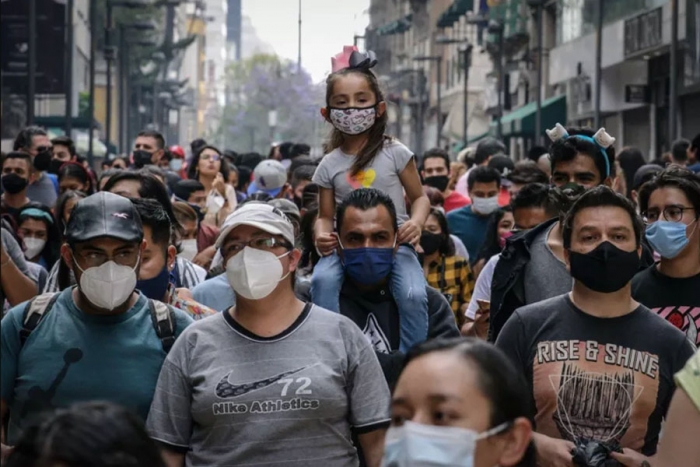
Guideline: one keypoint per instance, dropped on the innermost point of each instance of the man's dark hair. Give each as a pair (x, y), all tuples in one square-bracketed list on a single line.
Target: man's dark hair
[(87, 433), (539, 195), (536, 152), (674, 177), (301, 161), (149, 187), (487, 148), (160, 141), (679, 151), (695, 145), (26, 136), (183, 189), (483, 175), (231, 156), (601, 196), (153, 170), (250, 160), (18, 155), (154, 216), (526, 172), (302, 174), (630, 160), (300, 149), (244, 174), (65, 141), (436, 153), (365, 199), (286, 149), (196, 145), (566, 149)]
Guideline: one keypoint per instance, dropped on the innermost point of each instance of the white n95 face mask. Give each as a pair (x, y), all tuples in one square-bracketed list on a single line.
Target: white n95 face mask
[(109, 285), (189, 249), (418, 445), (34, 247), (254, 274)]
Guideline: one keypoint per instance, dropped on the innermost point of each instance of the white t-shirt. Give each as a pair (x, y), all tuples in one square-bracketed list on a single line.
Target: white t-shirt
[(482, 289), (382, 173)]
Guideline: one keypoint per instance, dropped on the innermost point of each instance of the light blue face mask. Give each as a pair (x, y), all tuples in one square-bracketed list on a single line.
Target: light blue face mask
[(418, 445), (668, 238)]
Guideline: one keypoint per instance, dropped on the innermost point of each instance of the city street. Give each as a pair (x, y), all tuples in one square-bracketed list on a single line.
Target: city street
[(368, 233)]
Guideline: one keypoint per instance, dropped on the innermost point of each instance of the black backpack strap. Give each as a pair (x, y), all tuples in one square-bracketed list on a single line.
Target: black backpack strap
[(163, 322), (34, 312)]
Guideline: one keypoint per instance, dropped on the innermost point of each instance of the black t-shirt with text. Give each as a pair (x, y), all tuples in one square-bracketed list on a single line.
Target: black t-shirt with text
[(675, 300), (596, 378)]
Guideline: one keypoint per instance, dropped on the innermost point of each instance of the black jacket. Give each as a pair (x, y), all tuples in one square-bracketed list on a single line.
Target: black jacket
[(441, 323), (508, 283)]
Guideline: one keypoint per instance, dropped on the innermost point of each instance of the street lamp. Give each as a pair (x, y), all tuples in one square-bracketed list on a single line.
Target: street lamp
[(124, 74), (538, 6), (438, 60), (110, 54), (466, 51), (496, 27)]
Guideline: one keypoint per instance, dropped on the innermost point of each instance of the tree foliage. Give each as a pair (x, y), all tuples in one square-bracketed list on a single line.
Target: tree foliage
[(259, 85)]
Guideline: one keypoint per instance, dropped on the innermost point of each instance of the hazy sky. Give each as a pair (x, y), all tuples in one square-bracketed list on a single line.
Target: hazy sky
[(327, 25)]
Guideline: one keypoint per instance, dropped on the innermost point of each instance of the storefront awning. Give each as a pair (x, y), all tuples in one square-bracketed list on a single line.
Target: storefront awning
[(59, 121), (521, 121), (398, 26), (456, 10)]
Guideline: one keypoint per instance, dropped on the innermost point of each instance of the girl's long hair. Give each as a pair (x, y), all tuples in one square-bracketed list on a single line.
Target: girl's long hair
[(375, 135)]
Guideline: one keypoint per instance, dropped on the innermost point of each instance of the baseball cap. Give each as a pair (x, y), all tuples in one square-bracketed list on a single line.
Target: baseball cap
[(644, 174), (260, 215), (287, 207), (269, 176), (104, 214), (504, 165)]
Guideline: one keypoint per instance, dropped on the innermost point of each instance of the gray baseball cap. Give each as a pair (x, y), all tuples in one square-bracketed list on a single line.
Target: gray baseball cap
[(260, 215)]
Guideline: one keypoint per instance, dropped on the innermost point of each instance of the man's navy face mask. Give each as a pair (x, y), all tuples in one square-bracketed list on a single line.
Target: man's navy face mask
[(368, 266)]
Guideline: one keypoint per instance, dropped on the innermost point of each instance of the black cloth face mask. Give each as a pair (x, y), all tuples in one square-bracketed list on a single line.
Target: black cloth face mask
[(42, 161), (606, 269), (430, 242), (439, 182), (13, 183)]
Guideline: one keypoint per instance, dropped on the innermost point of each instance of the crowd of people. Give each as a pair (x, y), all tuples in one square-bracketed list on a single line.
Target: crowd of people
[(203, 307)]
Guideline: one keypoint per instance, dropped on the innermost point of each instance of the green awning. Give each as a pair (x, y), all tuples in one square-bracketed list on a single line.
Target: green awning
[(59, 121), (398, 26), (456, 10), (521, 121)]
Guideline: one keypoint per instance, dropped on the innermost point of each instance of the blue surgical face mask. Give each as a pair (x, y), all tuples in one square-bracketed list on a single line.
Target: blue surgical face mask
[(414, 444), (368, 266), (668, 238), (175, 164), (155, 287)]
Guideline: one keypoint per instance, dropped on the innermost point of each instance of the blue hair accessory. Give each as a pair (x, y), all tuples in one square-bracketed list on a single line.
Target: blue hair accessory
[(601, 139), (36, 214)]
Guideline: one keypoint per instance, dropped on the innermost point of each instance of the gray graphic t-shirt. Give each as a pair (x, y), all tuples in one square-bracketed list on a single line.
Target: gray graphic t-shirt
[(234, 398), (382, 173)]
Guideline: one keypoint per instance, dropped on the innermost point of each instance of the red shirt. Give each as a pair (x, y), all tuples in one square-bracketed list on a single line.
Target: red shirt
[(455, 201), (504, 197)]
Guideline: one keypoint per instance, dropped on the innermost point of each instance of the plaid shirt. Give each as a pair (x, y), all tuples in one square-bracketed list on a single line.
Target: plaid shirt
[(453, 277)]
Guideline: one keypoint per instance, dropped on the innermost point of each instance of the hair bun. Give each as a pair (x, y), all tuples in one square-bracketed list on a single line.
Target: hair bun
[(362, 61)]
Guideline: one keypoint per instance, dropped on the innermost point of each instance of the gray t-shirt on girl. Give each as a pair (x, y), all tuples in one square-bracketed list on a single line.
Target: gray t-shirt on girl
[(382, 173), (234, 398)]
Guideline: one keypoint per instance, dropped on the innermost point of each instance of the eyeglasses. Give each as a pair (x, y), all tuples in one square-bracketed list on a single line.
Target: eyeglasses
[(670, 213), (259, 243), (93, 259), (214, 157), (40, 149)]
